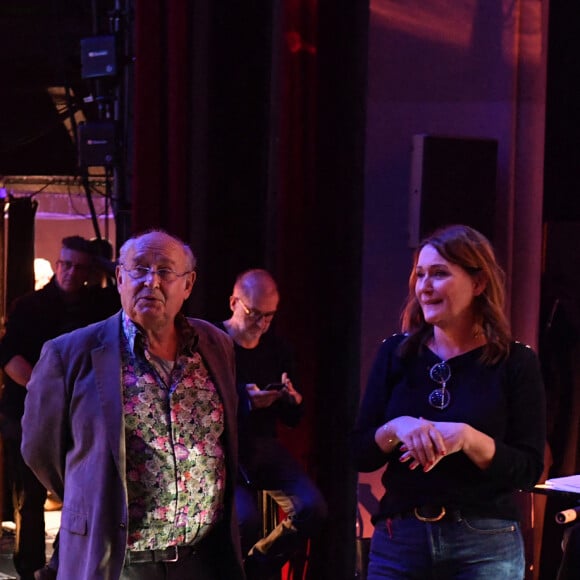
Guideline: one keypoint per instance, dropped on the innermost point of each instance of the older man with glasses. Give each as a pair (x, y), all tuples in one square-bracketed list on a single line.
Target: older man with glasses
[(64, 304), (140, 430), (265, 372)]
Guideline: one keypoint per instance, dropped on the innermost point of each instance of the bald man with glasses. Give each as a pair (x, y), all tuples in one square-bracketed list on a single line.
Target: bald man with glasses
[(265, 371)]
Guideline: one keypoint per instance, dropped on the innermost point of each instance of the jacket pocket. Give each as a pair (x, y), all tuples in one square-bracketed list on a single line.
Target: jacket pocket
[(73, 522)]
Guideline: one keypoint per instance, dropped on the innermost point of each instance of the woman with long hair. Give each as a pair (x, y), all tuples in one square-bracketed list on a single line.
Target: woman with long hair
[(455, 410)]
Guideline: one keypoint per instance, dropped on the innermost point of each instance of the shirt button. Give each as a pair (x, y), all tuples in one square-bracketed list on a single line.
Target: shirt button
[(122, 525)]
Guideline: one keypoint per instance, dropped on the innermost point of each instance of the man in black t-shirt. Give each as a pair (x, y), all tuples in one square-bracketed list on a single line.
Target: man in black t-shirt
[(64, 304), (264, 373)]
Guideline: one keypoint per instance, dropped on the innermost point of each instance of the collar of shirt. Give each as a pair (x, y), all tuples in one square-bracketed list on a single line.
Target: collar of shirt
[(137, 339)]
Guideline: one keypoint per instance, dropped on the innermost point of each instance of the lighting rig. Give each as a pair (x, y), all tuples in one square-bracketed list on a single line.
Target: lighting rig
[(106, 64)]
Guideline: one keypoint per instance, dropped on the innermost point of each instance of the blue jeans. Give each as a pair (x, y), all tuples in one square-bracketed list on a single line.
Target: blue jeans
[(274, 470), (469, 549)]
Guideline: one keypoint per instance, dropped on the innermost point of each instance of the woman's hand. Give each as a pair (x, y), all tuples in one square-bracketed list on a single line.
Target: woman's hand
[(422, 443), (479, 447), (455, 437)]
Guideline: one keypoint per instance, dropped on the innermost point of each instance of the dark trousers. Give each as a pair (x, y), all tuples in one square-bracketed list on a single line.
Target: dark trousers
[(271, 468), (206, 560), (186, 569), (28, 497)]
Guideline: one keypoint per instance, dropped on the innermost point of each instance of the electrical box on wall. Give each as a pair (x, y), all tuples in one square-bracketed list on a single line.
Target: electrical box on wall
[(96, 143), (98, 57), (453, 181)]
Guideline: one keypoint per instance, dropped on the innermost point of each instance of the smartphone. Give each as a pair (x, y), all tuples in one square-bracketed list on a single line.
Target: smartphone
[(274, 386)]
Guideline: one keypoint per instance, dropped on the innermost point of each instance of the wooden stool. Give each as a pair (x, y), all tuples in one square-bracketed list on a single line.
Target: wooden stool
[(271, 514), (269, 509)]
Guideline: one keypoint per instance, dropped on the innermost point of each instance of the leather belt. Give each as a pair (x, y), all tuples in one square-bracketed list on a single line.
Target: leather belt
[(169, 554), (428, 514)]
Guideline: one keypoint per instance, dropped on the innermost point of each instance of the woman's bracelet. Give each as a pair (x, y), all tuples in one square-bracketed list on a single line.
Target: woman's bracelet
[(391, 438)]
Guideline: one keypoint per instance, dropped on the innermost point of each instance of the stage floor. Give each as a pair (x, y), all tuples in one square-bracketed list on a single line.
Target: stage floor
[(52, 522)]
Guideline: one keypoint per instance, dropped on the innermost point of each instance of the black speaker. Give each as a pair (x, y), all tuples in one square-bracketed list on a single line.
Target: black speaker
[(98, 57), (96, 141), (453, 181)]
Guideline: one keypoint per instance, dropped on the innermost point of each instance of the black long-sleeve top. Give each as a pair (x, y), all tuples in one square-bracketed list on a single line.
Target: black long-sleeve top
[(262, 365), (39, 316), (504, 400)]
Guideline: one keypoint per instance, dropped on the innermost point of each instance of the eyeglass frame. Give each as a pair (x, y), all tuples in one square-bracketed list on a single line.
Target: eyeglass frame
[(159, 272), (254, 313), (442, 391)]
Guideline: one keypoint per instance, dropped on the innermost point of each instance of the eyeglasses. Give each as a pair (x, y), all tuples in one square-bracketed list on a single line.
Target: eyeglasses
[(164, 274), (68, 265), (254, 314), (440, 397)]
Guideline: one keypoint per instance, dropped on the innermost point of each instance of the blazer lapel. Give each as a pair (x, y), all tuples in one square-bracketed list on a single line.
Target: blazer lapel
[(107, 367)]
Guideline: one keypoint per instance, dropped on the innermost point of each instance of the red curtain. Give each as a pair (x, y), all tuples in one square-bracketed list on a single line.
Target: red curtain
[(296, 195), (279, 185), (159, 196)]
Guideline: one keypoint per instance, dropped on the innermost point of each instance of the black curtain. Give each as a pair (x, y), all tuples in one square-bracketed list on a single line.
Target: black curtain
[(275, 106), (20, 248), (560, 326), (560, 357)]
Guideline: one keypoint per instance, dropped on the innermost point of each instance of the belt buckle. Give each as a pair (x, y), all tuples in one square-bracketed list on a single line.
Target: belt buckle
[(436, 518), (176, 556)]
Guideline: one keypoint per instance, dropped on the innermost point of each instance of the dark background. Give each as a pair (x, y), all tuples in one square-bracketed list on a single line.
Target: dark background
[(244, 147), (264, 168)]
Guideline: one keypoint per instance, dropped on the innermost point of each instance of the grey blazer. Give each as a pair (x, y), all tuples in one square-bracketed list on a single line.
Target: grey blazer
[(73, 440)]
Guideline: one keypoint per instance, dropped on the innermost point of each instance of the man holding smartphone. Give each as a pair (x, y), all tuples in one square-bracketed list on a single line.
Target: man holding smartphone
[(264, 372)]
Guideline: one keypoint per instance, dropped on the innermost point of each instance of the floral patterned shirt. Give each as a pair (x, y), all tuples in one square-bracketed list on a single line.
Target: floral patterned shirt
[(174, 419)]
